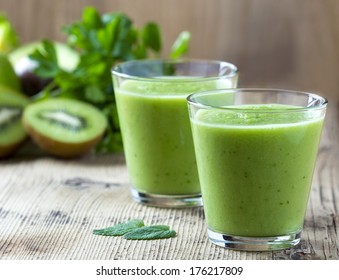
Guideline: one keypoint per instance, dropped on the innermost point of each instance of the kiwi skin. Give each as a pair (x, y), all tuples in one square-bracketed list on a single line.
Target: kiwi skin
[(8, 150), (59, 149)]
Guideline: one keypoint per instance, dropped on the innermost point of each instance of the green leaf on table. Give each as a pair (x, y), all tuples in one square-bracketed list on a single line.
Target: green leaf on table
[(150, 232), (120, 229)]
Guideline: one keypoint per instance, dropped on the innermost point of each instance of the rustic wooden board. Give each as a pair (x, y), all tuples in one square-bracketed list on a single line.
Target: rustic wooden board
[(49, 207)]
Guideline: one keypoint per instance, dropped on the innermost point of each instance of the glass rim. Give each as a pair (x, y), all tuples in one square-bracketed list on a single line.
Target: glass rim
[(316, 97), (234, 69)]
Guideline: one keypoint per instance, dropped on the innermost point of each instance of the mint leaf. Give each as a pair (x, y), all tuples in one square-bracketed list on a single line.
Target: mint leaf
[(150, 232), (94, 94), (180, 45), (91, 18), (120, 229), (111, 143), (47, 60), (151, 36)]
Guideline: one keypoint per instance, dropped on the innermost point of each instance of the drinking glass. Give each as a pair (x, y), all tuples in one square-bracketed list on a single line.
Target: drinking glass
[(256, 151), (151, 101)]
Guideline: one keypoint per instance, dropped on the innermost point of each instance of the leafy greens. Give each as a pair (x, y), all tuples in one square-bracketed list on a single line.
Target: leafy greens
[(102, 41)]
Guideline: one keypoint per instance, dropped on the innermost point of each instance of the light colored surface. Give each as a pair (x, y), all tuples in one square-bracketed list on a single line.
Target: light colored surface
[(49, 207)]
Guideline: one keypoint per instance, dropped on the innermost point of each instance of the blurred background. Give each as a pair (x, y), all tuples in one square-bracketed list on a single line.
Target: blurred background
[(288, 44)]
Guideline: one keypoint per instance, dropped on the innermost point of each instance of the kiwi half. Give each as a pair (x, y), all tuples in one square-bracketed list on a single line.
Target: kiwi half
[(64, 127), (12, 132)]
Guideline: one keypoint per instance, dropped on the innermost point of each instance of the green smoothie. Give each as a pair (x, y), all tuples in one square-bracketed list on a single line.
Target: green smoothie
[(255, 169), (157, 134)]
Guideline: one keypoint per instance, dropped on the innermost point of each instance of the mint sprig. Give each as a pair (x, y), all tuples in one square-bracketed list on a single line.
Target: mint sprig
[(136, 230)]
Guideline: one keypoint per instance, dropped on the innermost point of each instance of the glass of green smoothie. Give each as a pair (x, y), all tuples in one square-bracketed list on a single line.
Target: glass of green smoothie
[(256, 151), (151, 101)]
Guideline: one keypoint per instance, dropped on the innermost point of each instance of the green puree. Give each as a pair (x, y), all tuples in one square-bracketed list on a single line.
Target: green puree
[(255, 178), (157, 135)]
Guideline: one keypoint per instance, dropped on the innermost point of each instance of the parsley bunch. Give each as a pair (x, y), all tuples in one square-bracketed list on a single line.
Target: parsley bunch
[(101, 41)]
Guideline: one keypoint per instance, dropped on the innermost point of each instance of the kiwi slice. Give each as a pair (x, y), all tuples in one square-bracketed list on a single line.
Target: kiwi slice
[(12, 132), (64, 127)]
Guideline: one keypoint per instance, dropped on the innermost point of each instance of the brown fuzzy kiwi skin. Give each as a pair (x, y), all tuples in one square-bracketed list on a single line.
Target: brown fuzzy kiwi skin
[(60, 149)]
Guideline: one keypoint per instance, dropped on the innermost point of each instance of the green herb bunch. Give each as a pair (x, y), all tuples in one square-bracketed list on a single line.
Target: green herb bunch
[(101, 41)]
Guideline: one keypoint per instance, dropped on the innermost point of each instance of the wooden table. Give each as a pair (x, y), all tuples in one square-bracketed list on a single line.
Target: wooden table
[(49, 207)]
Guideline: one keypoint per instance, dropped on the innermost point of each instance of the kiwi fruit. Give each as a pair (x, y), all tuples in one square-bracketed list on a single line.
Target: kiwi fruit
[(64, 127), (12, 132)]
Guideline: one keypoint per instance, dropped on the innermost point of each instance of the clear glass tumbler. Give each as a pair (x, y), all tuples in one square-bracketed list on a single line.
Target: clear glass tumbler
[(256, 151), (152, 108)]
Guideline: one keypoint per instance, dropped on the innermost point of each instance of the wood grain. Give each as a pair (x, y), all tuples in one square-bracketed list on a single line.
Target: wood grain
[(49, 207)]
